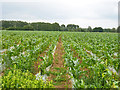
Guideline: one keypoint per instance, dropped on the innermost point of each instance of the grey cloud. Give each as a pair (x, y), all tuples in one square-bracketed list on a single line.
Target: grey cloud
[(61, 11)]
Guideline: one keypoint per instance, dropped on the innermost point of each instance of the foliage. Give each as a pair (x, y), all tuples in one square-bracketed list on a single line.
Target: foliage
[(98, 29), (93, 71), (88, 57), (42, 26), (20, 25), (15, 78)]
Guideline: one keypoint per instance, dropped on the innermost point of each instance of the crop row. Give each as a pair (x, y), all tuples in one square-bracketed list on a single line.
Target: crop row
[(89, 70), (21, 59), (91, 59)]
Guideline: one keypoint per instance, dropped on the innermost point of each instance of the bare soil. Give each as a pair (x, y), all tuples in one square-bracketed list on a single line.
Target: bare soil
[(64, 80)]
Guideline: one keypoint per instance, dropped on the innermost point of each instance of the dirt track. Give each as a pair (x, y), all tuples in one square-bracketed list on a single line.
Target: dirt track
[(59, 73)]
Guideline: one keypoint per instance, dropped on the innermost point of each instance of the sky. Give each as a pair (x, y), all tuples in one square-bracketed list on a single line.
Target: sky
[(94, 13)]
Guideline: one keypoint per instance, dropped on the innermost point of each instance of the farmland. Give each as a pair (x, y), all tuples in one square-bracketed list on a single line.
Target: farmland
[(51, 59)]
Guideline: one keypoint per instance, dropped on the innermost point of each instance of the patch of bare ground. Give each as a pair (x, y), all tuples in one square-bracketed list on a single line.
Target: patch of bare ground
[(59, 74), (1, 74)]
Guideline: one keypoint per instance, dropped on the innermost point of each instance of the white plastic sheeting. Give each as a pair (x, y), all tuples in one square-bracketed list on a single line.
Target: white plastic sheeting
[(110, 68), (43, 77)]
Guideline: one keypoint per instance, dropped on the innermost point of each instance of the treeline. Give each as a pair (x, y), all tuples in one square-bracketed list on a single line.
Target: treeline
[(42, 26), (37, 26)]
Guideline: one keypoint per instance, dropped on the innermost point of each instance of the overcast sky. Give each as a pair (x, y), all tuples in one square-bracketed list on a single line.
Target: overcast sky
[(84, 13)]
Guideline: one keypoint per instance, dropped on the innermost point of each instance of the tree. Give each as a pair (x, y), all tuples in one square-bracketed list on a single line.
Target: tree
[(72, 27), (63, 25), (118, 29), (113, 30), (89, 29), (28, 27), (98, 29), (77, 26), (56, 26)]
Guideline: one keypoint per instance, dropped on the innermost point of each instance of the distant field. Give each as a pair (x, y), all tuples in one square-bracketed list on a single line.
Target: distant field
[(63, 59)]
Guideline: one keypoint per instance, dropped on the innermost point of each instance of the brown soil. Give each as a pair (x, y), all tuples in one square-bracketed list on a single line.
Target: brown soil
[(1, 74), (58, 62)]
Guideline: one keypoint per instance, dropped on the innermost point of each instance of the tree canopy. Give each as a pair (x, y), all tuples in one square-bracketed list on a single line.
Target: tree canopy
[(42, 26)]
